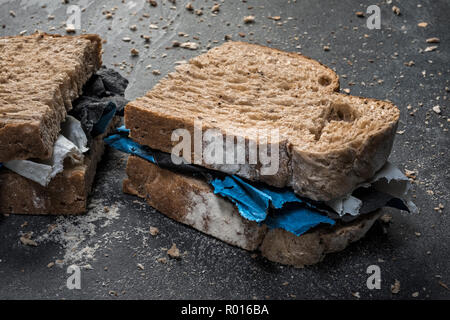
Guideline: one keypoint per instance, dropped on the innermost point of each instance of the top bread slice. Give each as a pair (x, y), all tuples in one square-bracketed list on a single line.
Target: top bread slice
[(40, 76), (328, 142)]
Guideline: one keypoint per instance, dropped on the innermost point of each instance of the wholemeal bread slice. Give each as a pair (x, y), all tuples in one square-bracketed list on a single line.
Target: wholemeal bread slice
[(192, 201), (67, 193), (40, 76), (328, 142)]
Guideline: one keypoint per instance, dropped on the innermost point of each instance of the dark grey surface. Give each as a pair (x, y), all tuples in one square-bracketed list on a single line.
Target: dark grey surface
[(413, 250)]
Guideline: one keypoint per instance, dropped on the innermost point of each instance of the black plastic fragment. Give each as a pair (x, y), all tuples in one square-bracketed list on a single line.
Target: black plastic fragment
[(104, 88)]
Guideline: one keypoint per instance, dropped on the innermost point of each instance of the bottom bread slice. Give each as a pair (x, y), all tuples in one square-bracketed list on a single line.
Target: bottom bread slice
[(192, 202), (67, 193)]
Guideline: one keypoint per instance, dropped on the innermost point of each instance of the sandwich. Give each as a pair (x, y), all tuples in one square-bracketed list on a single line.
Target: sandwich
[(57, 104), (256, 147)]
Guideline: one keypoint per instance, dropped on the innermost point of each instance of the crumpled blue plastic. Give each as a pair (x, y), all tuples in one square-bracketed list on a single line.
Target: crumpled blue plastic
[(253, 201)]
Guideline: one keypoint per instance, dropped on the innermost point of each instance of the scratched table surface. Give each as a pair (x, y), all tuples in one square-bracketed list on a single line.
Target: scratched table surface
[(118, 257)]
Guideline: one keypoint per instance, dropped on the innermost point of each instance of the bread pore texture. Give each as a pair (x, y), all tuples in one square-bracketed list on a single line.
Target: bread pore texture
[(326, 142), (40, 76)]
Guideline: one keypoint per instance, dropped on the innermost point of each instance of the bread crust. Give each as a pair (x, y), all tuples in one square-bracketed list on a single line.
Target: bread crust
[(311, 248), (330, 142), (41, 75)]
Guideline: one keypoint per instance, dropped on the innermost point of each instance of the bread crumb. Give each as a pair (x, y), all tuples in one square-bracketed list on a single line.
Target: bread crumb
[(430, 48), (134, 52), (437, 109), (215, 8), (422, 24), (326, 48), (433, 40), (12, 14), (26, 240), (189, 45), (396, 10), (410, 174), (70, 28), (154, 231), (189, 6), (395, 288), (156, 72), (140, 266), (359, 14), (249, 19), (174, 252), (153, 3), (443, 285), (162, 260)]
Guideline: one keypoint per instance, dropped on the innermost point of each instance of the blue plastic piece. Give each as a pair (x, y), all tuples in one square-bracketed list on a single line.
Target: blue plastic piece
[(127, 145), (252, 203), (296, 219)]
